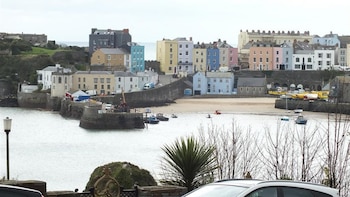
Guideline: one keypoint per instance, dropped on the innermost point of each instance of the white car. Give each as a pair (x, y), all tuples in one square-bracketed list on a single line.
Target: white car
[(259, 188)]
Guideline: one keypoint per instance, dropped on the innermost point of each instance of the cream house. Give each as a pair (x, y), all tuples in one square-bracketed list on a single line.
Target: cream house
[(103, 82), (111, 58)]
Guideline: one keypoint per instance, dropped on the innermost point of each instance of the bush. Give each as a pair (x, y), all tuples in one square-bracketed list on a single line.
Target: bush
[(125, 173)]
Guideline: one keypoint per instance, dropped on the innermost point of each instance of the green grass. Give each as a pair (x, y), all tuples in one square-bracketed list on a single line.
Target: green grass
[(41, 51)]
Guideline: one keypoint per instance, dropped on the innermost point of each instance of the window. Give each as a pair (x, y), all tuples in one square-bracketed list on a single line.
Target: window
[(309, 59), (291, 192), (267, 59), (95, 80), (84, 79), (260, 59), (108, 87), (109, 57), (59, 79), (329, 55), (266, 192), (108, 80), (297, 59), (95, 86), (277, 59), (79, 79), (320, 55), (102, 80)]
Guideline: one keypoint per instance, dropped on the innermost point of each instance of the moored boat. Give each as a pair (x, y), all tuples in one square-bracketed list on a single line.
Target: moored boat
[(151, 120), (161, 117), (301, 120)]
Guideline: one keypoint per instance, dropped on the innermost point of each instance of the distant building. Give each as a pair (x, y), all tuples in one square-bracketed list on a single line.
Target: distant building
[(34, 39), (101, 82), (185, 57), (110, 59), (109, 38), (278, 37), (213, 83), (45, 75), (61, 83), (167, 55), (137, 58), (200, 57), (248, 86)]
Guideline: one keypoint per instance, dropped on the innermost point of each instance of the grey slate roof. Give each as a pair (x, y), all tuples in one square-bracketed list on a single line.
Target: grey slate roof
[(93, 72), (124, 74), (113, 51), (219, 74), (251, 82)]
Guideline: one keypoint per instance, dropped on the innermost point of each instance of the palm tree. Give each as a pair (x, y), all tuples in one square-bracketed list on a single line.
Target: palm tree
[(188, 163)]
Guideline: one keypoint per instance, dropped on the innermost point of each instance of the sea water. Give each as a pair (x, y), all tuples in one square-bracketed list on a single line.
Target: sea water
[(47, 147)]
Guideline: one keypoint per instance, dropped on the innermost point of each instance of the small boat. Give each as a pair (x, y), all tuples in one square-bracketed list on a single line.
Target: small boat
[(301, 120), (173, 115), (217, 112), (285, 118), (161, 117), (152, 120), (298, 111)]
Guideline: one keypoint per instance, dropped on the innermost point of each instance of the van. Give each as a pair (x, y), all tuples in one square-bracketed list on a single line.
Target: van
[(148, 86)]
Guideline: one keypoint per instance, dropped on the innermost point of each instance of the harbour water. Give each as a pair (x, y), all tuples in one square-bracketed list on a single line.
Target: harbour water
[(45, 146)]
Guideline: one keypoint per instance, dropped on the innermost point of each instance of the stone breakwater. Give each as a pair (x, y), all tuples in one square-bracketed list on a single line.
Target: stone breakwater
[(95, 118), (316, 106)]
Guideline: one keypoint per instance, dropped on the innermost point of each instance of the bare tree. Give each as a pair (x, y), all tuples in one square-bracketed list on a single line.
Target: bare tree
[(337, 152), (309, 143), (234, 150)]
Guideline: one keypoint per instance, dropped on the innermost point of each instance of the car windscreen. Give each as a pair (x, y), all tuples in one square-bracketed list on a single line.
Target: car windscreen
[(217, 190)]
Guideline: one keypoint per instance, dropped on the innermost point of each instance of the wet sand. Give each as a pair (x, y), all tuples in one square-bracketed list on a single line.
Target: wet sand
[(224, 105)]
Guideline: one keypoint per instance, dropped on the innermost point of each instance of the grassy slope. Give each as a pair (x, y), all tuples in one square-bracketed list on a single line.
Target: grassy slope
[(41, 51)]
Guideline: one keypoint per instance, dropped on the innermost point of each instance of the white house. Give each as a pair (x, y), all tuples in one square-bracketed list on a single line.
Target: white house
[(213, 83), (126, 81), (44, 75), (61, 83)]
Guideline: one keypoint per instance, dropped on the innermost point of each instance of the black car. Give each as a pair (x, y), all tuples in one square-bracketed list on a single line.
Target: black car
[(16, 191)]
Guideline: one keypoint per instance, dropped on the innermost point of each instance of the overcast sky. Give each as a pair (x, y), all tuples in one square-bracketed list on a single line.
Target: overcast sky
[(152, 20)]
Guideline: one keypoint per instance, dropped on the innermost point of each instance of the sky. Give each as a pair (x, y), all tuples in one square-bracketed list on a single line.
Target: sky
[(152, 20)]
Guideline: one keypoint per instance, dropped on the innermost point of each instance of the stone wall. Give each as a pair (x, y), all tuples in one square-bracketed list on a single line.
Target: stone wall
[(316, 106)]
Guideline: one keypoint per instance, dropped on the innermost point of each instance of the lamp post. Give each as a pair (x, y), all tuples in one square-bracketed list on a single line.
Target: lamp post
[(7, 129)]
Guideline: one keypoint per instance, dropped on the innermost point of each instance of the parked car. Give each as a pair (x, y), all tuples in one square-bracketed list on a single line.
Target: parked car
[(16, 191), (260, 188)]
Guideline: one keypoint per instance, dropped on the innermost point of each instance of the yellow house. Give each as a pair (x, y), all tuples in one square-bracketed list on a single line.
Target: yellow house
[(111, 58), (199, 58), (167, 55), (103, 82)]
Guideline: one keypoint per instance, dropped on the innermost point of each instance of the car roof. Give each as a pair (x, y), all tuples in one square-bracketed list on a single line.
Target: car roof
[(285, 183), (240, 182), (301, 184), (18, 188)]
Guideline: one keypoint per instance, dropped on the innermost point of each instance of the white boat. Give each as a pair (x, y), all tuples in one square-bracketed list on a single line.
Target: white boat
[(285, 118), (301, 120), (298, 111), (173, 115)]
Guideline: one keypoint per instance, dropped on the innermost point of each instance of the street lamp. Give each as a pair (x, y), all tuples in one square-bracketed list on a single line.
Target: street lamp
[(7, 129)]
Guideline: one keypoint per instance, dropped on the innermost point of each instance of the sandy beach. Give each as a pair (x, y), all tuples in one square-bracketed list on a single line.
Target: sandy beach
[(224, 105)]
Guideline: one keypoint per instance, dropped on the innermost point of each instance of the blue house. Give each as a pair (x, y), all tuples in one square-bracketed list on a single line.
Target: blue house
[(213, 83), (137, 58), (213, 58)]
